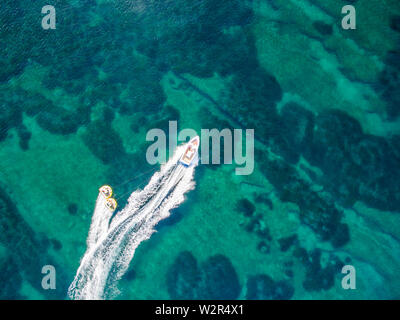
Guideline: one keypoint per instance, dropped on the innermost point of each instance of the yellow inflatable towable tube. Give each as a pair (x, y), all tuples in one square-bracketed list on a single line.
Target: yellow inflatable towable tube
[(107, 191), (111, 204)]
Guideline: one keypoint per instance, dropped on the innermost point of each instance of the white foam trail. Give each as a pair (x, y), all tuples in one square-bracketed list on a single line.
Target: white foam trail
[(111, 248), (100, 220)]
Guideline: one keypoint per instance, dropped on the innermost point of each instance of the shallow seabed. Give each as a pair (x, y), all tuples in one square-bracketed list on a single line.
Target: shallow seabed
[(76, 104)]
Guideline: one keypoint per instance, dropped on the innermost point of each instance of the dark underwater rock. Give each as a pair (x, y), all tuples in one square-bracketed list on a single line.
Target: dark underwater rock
[(15, 47), (57, 245), (329, 147), (137, 122), (106, 92), (220, 281), (245, 207), (355, 166), (10, 279), (378, 181), (318, 213), (395, 23), (393, 61), (286, 243), (183, 277), (27, 42), (72, 208), (215, 13), (322, 216), (334, 134), (178, 213), (24, 137), (341, 235), (293, 132), (240, 59), (215, 279), (29, 252), (72, 65), (394, 143), (323, 28), (252, 101), (320, 277), (108, 115), (389, 83), (194, 41), (103, 141), (279, 174), (262, 287), (264, 198), (10, 114), (175, 217), (145, 94), (58, 120), (32, 103), (257, 226), (130, 275), (283, 290)]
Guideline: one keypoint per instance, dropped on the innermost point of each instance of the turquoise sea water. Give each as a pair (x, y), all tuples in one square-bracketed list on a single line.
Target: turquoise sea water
[(76, 104)]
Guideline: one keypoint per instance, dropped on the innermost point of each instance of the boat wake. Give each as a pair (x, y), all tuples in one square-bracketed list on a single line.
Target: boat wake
[(112, 244)]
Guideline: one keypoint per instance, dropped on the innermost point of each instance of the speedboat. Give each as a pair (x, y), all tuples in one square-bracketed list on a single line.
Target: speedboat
[(191, 151)]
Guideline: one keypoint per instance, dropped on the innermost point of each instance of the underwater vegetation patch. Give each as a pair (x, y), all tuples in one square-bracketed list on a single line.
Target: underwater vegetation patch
[(194, 41), (320, 214), (107, 62), (103, 141), (263, 287), (319, 276), (27, 253), (214, 279)]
